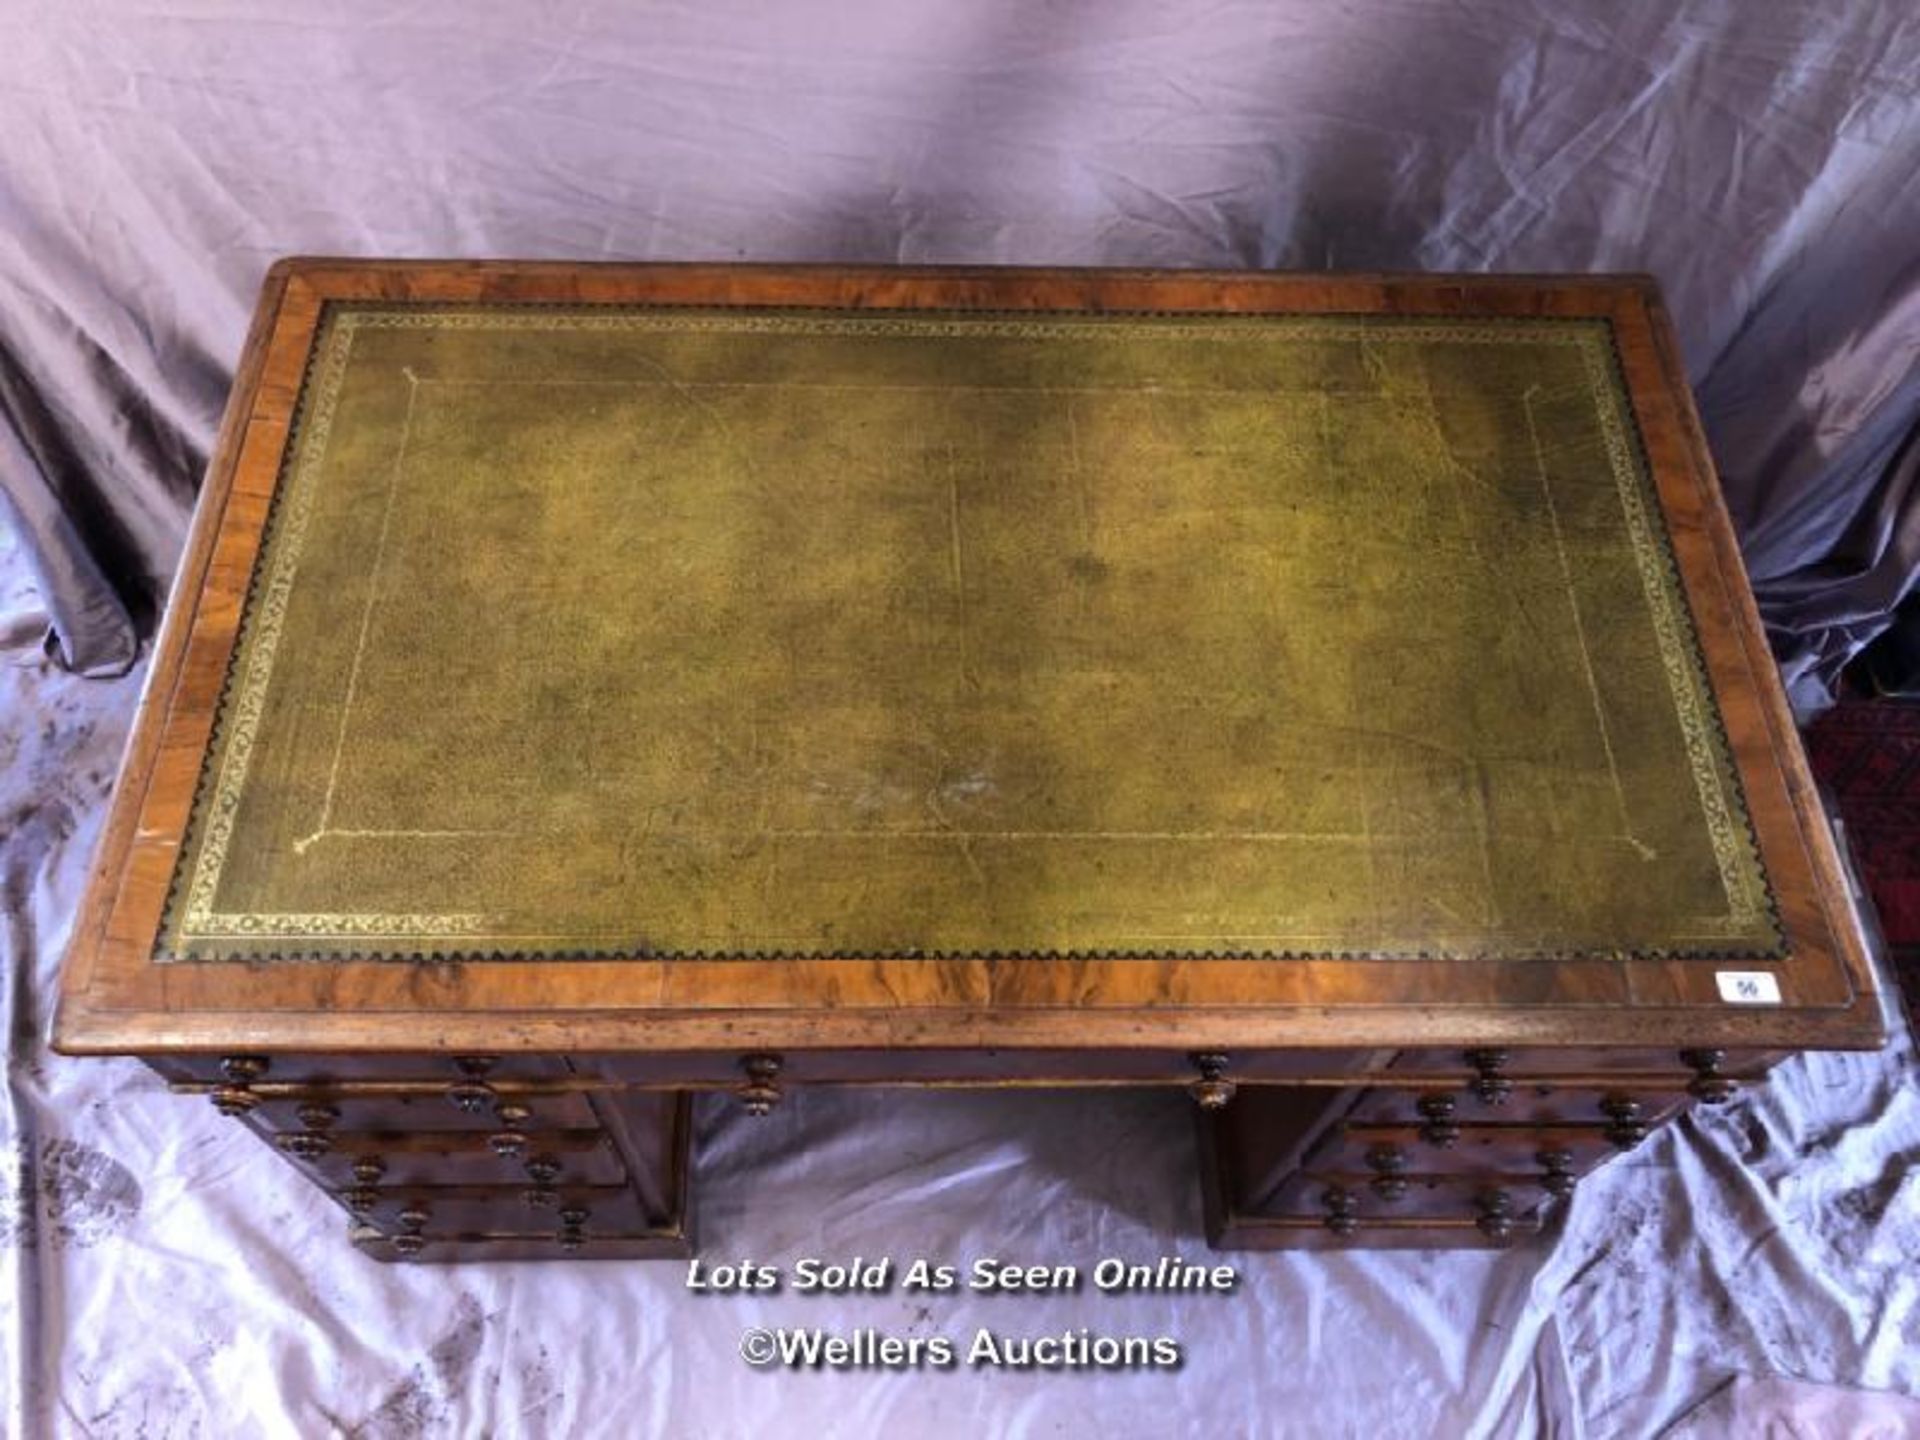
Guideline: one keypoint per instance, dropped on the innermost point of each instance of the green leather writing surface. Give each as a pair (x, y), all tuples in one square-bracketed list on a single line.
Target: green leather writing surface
[(636, 631)]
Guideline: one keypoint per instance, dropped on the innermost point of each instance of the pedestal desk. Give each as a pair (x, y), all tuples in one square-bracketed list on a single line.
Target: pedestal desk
[(588, 685)]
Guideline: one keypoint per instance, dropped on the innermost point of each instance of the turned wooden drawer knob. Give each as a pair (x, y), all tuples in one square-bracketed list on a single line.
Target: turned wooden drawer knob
[(1489, 1084), (511, 1140), (1437, 1123), (471, 1092), (1212, 1090), (1494, 1214), (1626, 1124), (236, 1098), (543, 1170), (313, 1141), (1709, 1086), (761, 1092), (410, 1241), (1389, 1166), (1556, 1172), (1342, 1208), (365, 1194)]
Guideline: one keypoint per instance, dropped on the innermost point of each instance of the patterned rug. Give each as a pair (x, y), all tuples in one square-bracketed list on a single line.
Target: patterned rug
[(1867, 752)]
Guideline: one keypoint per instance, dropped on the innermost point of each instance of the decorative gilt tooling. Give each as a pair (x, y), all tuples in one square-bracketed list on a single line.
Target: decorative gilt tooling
[(711, 635)]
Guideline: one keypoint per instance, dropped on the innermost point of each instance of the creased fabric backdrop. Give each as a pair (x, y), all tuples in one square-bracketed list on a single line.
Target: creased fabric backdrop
[(1761, 160), (167, 1276)]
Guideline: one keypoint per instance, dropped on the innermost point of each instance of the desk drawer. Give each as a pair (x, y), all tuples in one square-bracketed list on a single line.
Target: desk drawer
[(472, 1211), (1499, 1207), (375, 1160), (723, 1069), (667, 1244), (340, 1069), (1436, 1111), (1378, 1153), (423, 1113), (1559, 1064)]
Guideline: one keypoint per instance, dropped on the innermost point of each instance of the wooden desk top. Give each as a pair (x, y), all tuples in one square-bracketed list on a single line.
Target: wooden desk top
[(644, 657)]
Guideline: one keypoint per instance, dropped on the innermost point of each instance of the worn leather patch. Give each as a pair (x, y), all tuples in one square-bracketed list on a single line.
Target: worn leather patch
[(719, 633)]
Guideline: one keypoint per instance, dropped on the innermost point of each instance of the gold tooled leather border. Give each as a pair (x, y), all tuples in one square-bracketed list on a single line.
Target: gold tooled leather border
[(189, 920)]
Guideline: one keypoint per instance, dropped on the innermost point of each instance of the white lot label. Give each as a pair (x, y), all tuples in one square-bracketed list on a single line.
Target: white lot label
[(1748, 987)]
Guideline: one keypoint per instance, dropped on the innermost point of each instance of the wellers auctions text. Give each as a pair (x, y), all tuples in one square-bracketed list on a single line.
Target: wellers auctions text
[(865, 1349), (987, 1275)]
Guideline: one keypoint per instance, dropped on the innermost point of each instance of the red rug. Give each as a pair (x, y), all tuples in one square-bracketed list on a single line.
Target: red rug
[(1867, 753)]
